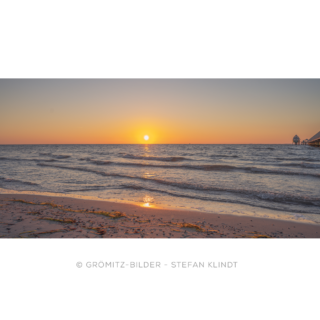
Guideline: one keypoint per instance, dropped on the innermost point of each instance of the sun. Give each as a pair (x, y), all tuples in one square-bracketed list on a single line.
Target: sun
[(146, 138)]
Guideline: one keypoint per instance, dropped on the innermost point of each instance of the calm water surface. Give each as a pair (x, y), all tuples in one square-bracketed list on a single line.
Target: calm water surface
[(278, 181)]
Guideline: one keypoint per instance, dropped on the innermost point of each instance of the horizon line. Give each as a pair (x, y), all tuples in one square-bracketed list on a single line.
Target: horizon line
[(32, 144)]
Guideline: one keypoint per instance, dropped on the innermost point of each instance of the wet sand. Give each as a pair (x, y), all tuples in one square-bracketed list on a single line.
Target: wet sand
[(35, 216)]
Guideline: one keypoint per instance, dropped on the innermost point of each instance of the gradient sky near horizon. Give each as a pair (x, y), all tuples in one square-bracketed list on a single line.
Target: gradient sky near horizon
[(98, 111)]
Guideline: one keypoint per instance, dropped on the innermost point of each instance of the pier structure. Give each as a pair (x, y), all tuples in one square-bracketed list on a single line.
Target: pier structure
[(304, 142), (296, 140), (315, 140)]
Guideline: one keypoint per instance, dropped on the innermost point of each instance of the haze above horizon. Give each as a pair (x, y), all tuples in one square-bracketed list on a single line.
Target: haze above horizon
[(168, 111)]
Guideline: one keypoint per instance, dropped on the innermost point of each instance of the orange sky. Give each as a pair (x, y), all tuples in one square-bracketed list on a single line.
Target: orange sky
[(169, 111)]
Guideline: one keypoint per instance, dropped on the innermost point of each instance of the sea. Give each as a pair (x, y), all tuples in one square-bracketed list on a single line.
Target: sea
[(271, 181)]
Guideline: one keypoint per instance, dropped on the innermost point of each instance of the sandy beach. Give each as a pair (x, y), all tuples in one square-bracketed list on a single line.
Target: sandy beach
[(35, 216)]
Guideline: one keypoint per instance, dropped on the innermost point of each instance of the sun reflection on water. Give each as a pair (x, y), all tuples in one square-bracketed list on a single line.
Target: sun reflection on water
[(148, 175), (147, 202)]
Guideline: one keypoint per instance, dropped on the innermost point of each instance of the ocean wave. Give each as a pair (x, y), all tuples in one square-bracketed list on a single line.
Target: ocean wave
[(14, 159), (279, 172), (20, 159), (166, 159), (99, 162), (208, 198), (214, 167), (60, 156), (217, 167), (260, 195), (190, 154), (102, 153), (223, 156), (105, 174), (191, 167), (45, 153), (300, 165), (261, 148), (310, 165), (19, 181), (46, 160), (54, 156), (92, 188), (298, 159)]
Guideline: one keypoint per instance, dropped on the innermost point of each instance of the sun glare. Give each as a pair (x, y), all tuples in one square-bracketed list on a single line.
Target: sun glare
[(146, 138)]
